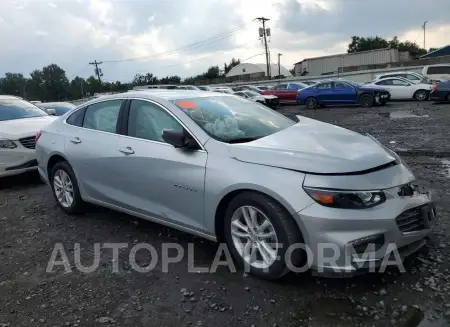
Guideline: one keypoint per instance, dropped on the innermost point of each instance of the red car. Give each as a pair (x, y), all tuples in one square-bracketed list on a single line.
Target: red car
[(286, 93)]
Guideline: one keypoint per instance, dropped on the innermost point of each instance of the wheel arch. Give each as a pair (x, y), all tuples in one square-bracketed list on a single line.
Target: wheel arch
[(220, 210), (52, 161)]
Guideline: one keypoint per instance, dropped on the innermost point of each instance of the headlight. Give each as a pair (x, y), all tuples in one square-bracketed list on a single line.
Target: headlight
[(7, 144), (346, 199)]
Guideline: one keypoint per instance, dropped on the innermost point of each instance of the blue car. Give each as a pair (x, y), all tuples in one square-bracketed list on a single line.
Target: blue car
[(341, 92)]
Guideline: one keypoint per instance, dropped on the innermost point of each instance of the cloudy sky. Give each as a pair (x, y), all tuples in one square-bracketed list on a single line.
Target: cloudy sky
[(139, 36)]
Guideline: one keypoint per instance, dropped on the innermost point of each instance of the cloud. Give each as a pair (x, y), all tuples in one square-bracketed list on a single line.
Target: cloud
[(72, 33)]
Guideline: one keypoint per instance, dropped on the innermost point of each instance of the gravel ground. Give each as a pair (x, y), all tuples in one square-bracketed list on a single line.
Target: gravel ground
[(31, 224)]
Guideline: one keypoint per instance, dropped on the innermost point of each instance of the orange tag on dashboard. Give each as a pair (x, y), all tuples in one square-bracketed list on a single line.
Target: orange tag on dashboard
[(186, 104)]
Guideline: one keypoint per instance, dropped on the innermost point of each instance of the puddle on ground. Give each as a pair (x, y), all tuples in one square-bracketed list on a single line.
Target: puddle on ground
[(446, 166), (401, 114)]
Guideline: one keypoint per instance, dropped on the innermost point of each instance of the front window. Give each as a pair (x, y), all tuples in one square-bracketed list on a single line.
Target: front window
[(232, 119), (11, 109)]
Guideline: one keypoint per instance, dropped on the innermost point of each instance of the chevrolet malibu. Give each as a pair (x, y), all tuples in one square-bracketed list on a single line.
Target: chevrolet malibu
[(230, 170)]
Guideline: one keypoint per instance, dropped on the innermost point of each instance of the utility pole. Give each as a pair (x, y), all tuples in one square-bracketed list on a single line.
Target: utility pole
[(424, 27), (263, 20), (98, 71), (279, 66)]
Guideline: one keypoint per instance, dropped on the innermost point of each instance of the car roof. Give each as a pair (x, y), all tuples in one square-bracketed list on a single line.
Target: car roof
[(162, 94)]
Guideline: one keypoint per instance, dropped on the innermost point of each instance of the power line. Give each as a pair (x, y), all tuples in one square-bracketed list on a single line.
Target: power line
[(256, 55), (191, 46)]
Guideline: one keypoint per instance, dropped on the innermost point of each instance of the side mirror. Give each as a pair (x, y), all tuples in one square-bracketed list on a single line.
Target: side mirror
[(51, 112), (177, 139)]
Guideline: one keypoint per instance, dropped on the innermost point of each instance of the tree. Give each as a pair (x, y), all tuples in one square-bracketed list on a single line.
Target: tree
[(170, 80), (233, 63), (359, 44), (433, 49), (13, 84)]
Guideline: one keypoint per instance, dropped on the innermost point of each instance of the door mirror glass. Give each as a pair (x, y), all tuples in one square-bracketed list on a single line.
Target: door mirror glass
[(175, 138)]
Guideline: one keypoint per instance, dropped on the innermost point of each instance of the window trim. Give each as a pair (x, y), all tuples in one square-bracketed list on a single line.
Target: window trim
[(285, 89), (126, 116), (84, 107)]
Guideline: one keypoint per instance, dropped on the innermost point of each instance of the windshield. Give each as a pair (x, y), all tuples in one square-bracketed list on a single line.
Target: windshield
[(232, 119), (18, 109), (251, 93)]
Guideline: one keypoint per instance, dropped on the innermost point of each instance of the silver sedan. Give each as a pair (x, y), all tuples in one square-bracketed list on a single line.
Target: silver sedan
[(276, 191)]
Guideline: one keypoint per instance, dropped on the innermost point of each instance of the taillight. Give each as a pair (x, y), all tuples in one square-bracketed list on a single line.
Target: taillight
[(36, 138)]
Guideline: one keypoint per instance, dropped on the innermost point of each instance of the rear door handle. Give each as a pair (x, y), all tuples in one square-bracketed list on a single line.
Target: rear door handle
[(127, 150), (75, 140)]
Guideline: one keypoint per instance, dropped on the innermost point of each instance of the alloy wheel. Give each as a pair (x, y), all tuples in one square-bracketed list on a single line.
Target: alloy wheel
[(63, 188), (254, 237), (421, 95)]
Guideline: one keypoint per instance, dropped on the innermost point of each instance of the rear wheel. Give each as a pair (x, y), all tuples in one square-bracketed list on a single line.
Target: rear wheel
[(366, 100), (311, 103), (420, 95), (258, 232), (65, 188)]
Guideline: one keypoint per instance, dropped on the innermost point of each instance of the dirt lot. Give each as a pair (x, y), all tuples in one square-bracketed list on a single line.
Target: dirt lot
[(31, 224)]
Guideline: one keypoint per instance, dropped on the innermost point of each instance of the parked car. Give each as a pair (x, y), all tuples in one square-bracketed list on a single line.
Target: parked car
[(412, 76), (341, 92), (237, 172), (268, 100), (440, 92), (263, 87), (20, 121), (285, 92), (248, 87), (205, 88), (437, 73), (187, 87), (60, 108), (402, 89), (227, 90)]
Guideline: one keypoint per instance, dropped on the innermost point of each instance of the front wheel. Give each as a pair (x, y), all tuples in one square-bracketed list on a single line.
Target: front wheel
[(258, 232), (420, 95), (311, 103), (65, 188), (366, 100)]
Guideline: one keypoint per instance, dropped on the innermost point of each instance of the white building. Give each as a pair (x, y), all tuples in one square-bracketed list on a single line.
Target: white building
[(249, 72)]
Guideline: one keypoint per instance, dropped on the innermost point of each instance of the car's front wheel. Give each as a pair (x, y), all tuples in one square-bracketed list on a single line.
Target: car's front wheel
[(259, 232), (420, 95), (65, 188), (366, 100)]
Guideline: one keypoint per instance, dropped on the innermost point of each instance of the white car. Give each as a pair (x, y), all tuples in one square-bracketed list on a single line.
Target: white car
[(403, 89), (20, 121), (411, 76), (268, 100), (437, 73)]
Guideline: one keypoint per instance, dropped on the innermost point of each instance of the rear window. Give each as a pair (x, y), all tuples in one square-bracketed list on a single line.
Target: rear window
[(438, 70), (233, 119), (12, 109)]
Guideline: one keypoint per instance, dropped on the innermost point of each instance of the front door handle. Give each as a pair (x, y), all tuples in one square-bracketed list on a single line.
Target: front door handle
[(75, 140), (127, 150)]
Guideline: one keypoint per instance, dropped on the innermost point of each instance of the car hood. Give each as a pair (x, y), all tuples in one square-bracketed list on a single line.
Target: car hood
[(314, 147), (18, 128), (266, 96)]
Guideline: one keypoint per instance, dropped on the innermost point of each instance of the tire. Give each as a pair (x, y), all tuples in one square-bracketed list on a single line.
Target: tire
[(420, 95), (366, 100), (311, 103), (77, 205), (281, 224)]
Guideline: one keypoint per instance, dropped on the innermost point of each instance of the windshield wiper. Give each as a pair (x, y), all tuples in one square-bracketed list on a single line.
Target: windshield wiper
[(243, 139)]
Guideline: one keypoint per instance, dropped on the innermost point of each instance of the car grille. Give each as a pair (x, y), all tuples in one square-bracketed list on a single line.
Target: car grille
[(411, 220), (28, 142)]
